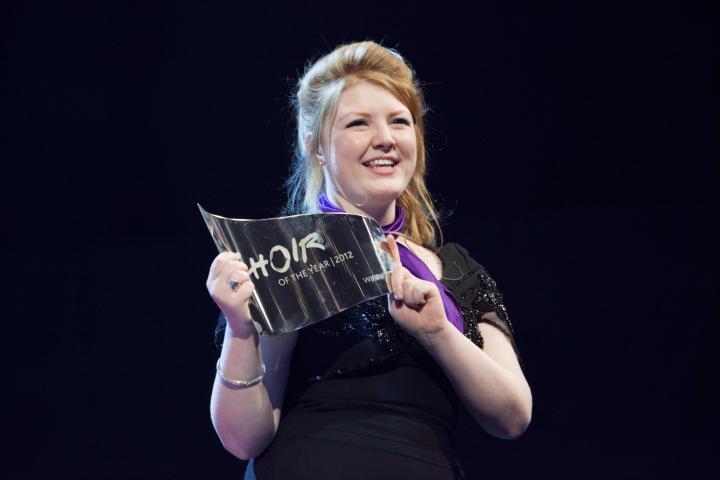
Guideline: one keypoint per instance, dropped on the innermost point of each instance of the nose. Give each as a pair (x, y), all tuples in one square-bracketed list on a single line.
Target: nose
[(383, 139)]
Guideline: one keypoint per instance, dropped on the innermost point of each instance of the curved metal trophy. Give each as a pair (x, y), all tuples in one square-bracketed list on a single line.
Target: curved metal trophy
[(305, 268)]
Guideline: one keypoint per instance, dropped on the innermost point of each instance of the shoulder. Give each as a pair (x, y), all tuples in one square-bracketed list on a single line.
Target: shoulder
[(457, 261), (452, 250), (467, 278), (476, 292)]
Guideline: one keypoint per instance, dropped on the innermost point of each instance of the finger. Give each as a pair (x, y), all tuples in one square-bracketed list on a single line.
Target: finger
[(422, 292), (220, 261), (396, 281), (398, 272), (238, 275), (236, 288), (231, 265), (238, 264), (414, 292), (231, 276), (394, 249), (245, 289)]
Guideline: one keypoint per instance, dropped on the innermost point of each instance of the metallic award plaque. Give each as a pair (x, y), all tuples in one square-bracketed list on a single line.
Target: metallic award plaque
[(305, 268)]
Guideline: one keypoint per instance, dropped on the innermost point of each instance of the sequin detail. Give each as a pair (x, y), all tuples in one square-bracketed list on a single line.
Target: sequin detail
[(478, 298), (471, 330), (489, 299), (483, 299), (370, 320), (470, 284)]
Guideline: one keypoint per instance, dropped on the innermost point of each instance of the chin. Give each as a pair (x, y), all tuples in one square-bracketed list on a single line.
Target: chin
[(389, 190), (381, 199)]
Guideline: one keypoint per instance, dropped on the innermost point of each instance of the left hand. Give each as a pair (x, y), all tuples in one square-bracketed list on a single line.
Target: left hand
[(415, 304)]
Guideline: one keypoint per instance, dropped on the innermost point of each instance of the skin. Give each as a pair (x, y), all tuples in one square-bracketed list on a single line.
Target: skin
[(369, 123)]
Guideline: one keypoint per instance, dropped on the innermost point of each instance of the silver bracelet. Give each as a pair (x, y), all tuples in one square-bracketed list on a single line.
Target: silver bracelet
[(241, 383)]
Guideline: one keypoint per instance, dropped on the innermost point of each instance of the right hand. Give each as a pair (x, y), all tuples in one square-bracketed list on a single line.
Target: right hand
[(233, 303)]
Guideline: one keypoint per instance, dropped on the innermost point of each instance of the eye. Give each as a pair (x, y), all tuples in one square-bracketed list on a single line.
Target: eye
[(401, 121), (356, 123)]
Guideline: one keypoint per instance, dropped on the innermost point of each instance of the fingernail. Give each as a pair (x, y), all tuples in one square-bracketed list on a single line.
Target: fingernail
[(397, 295)]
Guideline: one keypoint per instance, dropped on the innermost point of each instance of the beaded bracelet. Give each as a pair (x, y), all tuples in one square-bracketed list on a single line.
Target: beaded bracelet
[(241, 383)]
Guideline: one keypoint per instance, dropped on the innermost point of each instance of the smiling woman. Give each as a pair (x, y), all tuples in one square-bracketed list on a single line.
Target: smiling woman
[(369, 153), (374, 391), (327, 87)]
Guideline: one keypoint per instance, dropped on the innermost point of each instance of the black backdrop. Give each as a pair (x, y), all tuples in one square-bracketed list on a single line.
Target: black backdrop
[(570, 145)]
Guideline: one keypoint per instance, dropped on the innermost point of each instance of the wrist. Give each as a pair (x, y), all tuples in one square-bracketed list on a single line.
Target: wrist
[(239, 330), (240, 383), (432, 339)]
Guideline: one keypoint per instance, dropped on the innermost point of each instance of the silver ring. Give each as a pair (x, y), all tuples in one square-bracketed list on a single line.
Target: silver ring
[(233, 285)]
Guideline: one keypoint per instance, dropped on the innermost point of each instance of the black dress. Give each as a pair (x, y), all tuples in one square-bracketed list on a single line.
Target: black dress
[(365, 400)]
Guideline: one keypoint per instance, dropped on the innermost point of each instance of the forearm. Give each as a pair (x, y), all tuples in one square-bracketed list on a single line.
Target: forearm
[(243, 417), (498, 398)]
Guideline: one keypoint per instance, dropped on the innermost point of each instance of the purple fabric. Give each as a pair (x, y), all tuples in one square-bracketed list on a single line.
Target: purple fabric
[(409, 260)]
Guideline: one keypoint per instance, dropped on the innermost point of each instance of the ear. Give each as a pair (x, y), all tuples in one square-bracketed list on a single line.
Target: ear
[(307, 142), (308, 149)]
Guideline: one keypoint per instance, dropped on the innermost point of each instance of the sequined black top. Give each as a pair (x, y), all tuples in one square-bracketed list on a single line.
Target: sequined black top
[(358, 378)]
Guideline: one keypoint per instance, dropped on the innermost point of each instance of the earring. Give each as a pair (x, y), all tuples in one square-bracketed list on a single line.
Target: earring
[(321, 163)]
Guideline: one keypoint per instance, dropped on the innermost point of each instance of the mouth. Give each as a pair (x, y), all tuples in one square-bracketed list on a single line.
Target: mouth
[(381, 165)]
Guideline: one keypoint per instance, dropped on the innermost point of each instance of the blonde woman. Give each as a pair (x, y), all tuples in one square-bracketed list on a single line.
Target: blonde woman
[(372, 392)]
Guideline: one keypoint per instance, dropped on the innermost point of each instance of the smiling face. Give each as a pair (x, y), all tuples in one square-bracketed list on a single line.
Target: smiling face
[(370, 150)]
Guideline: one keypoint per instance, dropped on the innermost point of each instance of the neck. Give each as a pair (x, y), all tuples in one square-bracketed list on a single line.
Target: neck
[(383, 213)]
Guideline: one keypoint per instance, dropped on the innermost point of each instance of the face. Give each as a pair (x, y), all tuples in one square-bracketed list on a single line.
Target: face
[(370, 151)]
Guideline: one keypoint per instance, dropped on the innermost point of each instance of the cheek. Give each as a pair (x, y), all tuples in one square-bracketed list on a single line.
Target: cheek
[(349, 151), (409, 145)]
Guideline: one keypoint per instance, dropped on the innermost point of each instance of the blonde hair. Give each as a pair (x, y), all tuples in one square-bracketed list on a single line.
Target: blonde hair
[(315, 103)]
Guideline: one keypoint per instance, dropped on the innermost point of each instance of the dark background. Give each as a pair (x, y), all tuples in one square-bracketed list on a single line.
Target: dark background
[(571, 146)]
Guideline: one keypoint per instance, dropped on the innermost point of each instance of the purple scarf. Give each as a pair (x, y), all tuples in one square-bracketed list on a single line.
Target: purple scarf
[(409, 260)]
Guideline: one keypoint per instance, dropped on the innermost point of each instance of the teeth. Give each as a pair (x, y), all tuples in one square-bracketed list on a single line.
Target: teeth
[(381, 162)]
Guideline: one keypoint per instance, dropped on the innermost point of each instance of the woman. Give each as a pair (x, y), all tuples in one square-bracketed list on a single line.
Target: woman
[(373, 391)]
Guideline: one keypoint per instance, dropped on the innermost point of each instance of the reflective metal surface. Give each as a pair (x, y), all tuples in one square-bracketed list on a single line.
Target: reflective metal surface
[(305, 268)]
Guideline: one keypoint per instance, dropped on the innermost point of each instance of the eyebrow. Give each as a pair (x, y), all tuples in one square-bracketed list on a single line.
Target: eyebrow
[(366, 115)]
